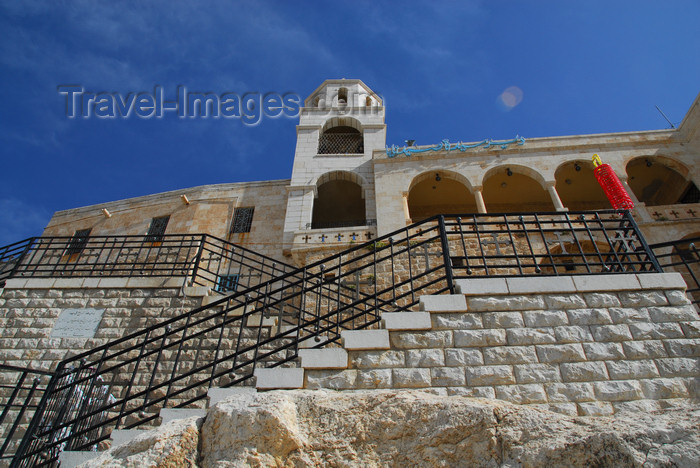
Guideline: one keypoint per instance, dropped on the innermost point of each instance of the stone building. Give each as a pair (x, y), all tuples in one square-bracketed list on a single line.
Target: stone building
[(346, 186)]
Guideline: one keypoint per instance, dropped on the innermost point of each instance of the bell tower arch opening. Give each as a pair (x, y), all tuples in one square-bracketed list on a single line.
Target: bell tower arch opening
[(339, 202)]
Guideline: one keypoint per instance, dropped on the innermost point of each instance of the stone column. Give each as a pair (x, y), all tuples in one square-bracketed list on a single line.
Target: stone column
[(404, 201), (558, 205), (480, 205)]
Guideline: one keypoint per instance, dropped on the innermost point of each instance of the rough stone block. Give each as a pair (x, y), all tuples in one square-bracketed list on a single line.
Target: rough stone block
[(528, 336), (627, 315), (373, 378), (655, 331), (324, 358), (618, 390), (672, 314), (644, 349), (470, 338), (565, 301), (683, 348), (375, 359), (427, 339), (573, 334), (677, 298), (463, 357), (278, 377), (425, 357), (641, 369), (560, 353), (456, 321), (595, 408), (505, 303), (447, 376), (473, 392), (637, 406), (602, 299), (545, 318), (589, 317), (411, 378), (490, 375), (406, 320), (481, 286), (642, 298), (691, 329), (583, 371), (365, 339), (605, 333), (444, 303), (330, 379), (678, 367), (537, 285), (522, 394), (657, 389), (502, 320), (568, 409), (536, 373), (510, 355), (565, 392)]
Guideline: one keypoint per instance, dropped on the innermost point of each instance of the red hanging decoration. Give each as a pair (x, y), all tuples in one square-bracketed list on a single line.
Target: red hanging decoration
[(613, 188)]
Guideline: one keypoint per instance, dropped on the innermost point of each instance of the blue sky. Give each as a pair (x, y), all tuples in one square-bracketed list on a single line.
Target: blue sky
[(581, 66)]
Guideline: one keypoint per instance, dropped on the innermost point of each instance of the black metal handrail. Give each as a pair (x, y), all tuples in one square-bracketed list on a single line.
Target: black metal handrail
[(682, 256), (206, 260), (21, 389), (124, 384)]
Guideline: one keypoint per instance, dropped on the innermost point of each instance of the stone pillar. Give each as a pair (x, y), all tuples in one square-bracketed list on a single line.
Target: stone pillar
[(406, 212), (480, 205), (558, 205)]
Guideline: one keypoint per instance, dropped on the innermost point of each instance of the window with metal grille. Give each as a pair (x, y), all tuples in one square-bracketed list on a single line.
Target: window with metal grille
[(157, 229), (691, 195), (226, 283), (242, 220), (78, 241)]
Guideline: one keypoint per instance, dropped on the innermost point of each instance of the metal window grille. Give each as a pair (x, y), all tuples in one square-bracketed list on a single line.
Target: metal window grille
[(226, 283), (242, 220), (691, 195), (341, 143), (157, 229), (78, 241)]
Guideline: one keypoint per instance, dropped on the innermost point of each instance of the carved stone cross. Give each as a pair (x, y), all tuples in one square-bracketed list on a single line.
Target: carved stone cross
[(497, 243)]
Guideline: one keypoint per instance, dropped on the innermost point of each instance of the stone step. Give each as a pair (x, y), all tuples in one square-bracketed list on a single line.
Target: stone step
[(324, 358), (217, 394), (365, 339), (171, 414), (444, 303), (255, 319), (122, 436), (196, 291), (278, 377), (72, 459), (406, 321)]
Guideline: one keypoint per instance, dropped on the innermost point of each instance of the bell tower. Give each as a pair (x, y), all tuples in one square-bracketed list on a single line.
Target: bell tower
[(332, 185)]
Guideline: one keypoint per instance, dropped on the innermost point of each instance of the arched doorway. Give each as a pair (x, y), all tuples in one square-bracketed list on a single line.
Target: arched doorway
[(578, 188), (512, 189), (339, 201), (439, 192)]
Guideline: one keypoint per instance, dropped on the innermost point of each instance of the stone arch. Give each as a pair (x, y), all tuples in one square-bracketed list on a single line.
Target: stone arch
[(515, 189), (439, 192), (341, 135), (339, 201), (578, 188), (658, 180)]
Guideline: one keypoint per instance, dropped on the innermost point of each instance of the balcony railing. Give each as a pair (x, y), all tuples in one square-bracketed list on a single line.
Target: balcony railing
[(682, 256)]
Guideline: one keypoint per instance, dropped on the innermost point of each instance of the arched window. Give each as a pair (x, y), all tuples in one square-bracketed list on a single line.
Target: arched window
[(439, 192), (657, 182), (341, 136), (368, 101), (339, 202), (342, 96)]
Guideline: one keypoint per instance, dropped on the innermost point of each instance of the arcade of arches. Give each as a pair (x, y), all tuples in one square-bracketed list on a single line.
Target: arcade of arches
[(508, 191), (439, 193), (578, 188), (654, 182)]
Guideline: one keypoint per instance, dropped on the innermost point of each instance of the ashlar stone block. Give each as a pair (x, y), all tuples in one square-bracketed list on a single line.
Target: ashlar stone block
[(618, 390), (471, 338), (425, 357), (641, 369), (560, 353), (584, 371), (536, 373), (522, 394), (448, 376), (463, 357), (510, 355), (490, 375)]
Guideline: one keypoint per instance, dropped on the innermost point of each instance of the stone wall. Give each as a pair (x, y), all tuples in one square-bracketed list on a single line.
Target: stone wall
[(578, 345)]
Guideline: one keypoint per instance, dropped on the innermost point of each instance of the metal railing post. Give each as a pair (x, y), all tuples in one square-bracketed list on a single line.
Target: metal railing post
[(446, 254)]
